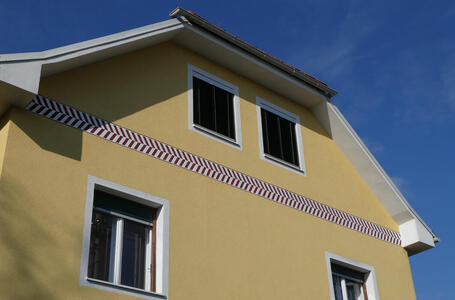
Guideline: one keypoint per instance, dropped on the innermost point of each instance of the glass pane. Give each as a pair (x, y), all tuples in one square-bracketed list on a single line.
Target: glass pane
[(353, 290), (133, 254), (204, 97), (100, 246), (265, 136), (231, 115), (120, 205), (224, 113), (273, 134), (346, 272), (288, 141), (337, 287)]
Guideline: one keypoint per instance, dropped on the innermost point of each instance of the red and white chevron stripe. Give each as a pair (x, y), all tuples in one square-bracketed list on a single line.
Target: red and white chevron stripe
[(83, 121)]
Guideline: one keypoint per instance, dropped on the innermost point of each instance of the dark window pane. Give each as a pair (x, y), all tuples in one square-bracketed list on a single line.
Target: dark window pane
[(273, 133), (223, 119), (346, 272), (133, 254), (230, 100), (213, 108), (265, 132), (350, 289), (196, 100), (279, 137), (337, 287), (206, 106), (288, 141), (129, 208), (100, 246)]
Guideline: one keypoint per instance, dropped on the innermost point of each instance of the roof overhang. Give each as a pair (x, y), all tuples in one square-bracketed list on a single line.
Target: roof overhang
[(20, 77), (26, 69), (416, 235)]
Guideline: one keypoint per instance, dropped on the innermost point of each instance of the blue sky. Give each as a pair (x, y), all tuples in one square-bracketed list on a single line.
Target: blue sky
[(393, 63)]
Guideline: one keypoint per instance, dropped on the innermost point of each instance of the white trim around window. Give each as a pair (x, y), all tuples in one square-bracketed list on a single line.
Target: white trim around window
[(222, 84), (370, 276), (162, 238), (263, 104)]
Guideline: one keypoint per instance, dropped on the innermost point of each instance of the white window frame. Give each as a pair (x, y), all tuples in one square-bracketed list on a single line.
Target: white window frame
[(370, 276), (162, 239), (263, 104), (222, 84)]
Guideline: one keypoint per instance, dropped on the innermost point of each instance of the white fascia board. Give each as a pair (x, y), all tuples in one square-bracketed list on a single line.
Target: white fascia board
[(412, 228)]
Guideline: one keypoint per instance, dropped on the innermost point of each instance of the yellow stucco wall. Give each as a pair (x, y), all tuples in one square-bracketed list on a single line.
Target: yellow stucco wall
[(224, 243)]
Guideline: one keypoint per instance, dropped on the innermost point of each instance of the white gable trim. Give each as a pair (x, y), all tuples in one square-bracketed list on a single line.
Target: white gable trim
[(416, 235)]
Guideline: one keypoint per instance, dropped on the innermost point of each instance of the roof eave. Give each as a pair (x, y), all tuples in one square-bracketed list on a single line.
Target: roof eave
[(292, 71)]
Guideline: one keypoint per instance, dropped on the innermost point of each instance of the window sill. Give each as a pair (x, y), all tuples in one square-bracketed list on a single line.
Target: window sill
[(216, 136), (284, 164), (126, 289)]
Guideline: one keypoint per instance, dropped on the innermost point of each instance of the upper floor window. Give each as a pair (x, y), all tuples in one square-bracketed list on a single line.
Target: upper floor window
[(350, 280), (214, 107), (279, 136)]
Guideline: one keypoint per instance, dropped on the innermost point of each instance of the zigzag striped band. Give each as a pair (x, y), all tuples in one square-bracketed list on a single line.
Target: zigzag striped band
[(83, 121)]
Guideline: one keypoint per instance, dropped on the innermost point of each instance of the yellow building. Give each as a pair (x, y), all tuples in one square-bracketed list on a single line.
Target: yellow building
[(175, 161)]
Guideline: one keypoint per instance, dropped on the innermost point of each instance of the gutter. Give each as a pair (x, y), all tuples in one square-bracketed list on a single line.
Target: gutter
[(262, 55)]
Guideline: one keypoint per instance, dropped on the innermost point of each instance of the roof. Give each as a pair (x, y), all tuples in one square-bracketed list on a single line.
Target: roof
[(20, 76), (292, 70)]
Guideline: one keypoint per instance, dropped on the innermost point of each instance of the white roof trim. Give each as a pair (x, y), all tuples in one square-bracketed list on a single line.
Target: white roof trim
[(108, 40), (416, 234)]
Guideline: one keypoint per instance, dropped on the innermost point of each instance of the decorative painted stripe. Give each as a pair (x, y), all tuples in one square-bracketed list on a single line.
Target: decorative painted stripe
[(109, 131)]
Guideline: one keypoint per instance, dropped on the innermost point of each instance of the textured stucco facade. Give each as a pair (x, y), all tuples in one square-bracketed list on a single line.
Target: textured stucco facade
[(224, 243)]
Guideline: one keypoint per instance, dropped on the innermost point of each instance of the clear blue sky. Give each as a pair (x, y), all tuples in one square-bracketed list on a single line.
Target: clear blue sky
[(393, 63)]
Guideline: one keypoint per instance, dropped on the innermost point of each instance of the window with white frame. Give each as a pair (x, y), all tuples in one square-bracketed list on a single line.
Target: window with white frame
[(213, 107), (122, 242), (348, 284), (125, 242), (279, 136), (350, 280)]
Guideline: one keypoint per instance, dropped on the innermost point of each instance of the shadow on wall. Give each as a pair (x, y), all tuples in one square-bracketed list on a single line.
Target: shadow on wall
[(32, 263), (118, 87), (49, 136)]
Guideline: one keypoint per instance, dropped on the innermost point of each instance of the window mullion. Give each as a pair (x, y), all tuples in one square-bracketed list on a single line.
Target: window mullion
[(280, 138), (344, 290), (364, 291), (228, 115), (118, 251), (198, 90), (112, 250), (148, 262)]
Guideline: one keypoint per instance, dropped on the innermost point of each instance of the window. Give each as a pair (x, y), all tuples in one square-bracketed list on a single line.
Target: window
[(121, 242), (279, 136), (350, 280), (348, 284), (125, 240), (213, 107)]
